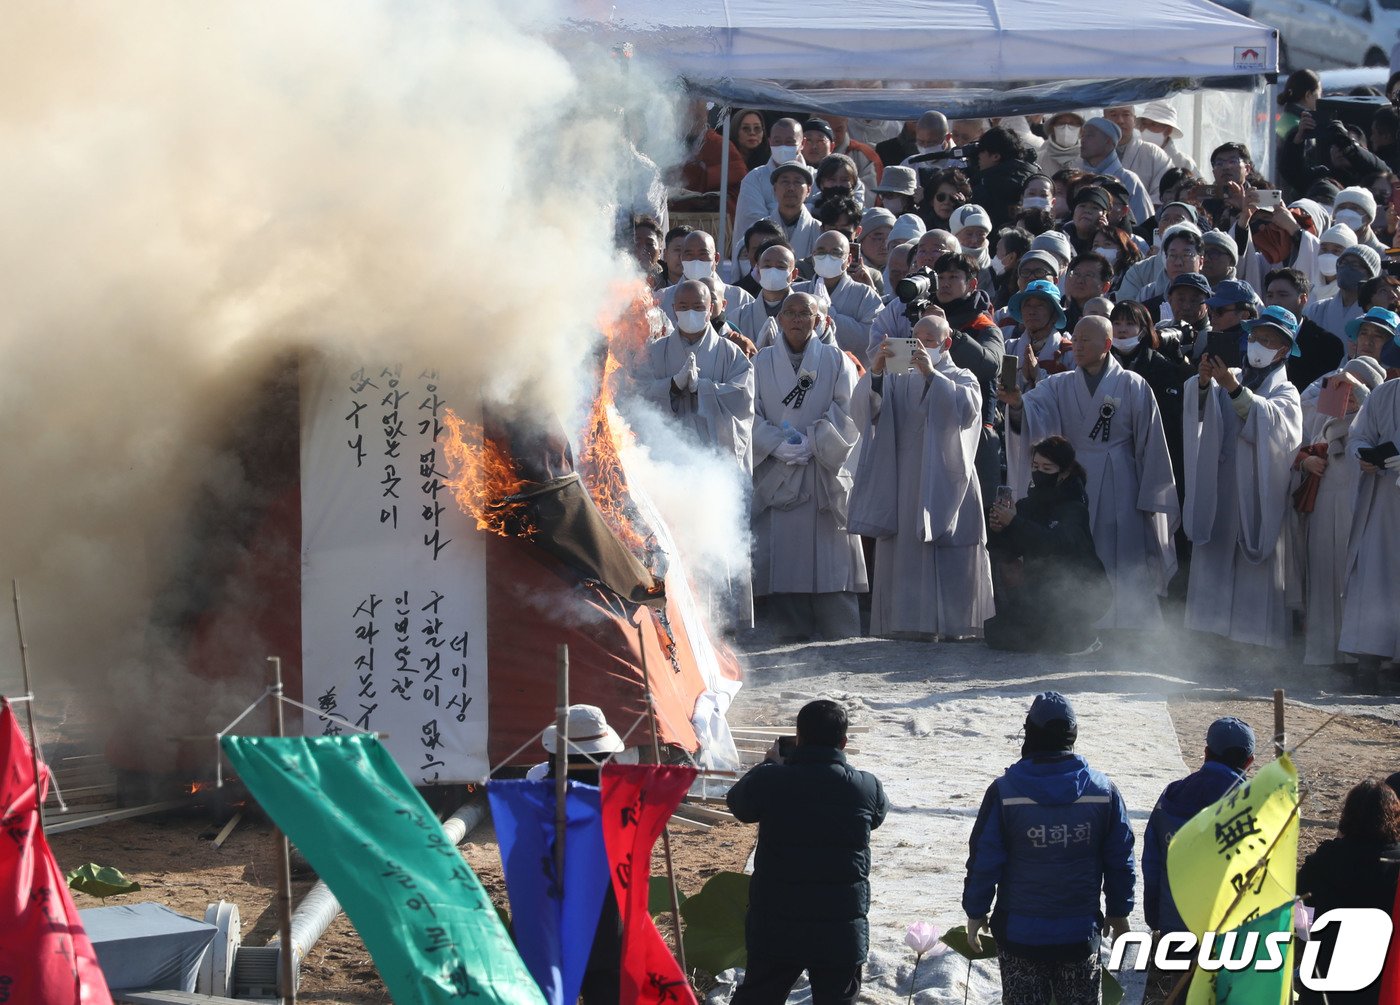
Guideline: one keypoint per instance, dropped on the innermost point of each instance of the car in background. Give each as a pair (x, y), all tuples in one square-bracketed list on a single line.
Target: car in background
[(1330, 33)]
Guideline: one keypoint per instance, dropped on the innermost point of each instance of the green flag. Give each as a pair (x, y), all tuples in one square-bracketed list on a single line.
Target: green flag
[(419, 908)]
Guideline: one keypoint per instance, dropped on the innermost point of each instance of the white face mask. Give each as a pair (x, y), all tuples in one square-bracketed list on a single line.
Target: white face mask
[(1152, 136), (1066, 136), (828, 266), (745, 265), (895, 204), (781, 155), (1127, 345), (1327, 265), (935, 354), (1109, 253), (698, 269), (998, 267), (692, 322), (1350, 217), (1259, 356), (928, 150), (773, 280), (1035, 202)]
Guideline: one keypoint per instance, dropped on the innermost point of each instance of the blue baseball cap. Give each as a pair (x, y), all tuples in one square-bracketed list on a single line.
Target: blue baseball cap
[(1192, 279), (1232, 291), (1039, 288), (1282, 319), (1378, 316), (1049, 706), (1229, 732)]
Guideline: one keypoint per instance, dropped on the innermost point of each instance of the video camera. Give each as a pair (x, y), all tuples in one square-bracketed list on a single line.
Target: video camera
[(915, 292), (967, 154)]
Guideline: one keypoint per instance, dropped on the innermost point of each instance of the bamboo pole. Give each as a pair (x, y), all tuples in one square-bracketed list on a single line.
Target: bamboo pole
[(665, 831), (286, 979), (1280, 734), (561, 760), (29, 707)]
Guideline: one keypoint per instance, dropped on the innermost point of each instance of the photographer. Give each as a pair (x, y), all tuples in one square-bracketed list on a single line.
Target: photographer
[(1004, 165), (1335, 153)]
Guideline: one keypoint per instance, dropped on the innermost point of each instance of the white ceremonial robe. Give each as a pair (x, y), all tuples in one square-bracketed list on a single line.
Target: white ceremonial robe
[(917, 486), (1320, 538), (853, 308), (801, 544), (735, 297), (1133, 507), (757, 201), (719, 411), (1018, 462), (1370, 623), (802, 233), (1237, 475), (1333, 315)]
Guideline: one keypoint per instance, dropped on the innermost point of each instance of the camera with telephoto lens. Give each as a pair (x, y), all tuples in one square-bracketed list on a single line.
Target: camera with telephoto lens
[(914, 292), (1391, 268)]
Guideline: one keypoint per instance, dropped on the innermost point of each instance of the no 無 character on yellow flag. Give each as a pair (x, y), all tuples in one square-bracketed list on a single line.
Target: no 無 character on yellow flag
[(1233, 866)]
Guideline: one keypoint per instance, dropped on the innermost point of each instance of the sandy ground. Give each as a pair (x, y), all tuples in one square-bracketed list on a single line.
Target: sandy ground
[(940, 722)]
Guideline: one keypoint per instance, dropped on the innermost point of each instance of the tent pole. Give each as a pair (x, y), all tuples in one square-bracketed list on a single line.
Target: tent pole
[(29, 708), (1197, 132), (561, 760), (665, 831), (724, 188), (286, 978)]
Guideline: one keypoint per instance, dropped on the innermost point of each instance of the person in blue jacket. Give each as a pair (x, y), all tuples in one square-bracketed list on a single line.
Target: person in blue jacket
[(1052, 837), (1229, 753)]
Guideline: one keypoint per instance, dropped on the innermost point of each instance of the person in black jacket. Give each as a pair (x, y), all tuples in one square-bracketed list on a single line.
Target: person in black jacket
[(1357, 868), (1137, 347), (1004, 165), (810, 891), (1319, 350), (1050, 585)]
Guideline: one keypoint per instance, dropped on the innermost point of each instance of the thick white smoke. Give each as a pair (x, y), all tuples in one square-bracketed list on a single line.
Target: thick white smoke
[(191, 192)]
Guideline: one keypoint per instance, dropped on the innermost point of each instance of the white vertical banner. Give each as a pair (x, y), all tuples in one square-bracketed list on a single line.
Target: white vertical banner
[(393, 574)]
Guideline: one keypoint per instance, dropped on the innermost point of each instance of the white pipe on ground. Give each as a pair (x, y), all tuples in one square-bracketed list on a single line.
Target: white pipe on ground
[(320, 907)]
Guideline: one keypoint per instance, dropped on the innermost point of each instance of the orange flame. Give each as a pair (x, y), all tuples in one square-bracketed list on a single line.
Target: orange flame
[(485, 478)]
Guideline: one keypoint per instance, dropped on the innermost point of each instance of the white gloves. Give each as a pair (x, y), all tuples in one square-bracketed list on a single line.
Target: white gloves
[(975, 928), (794, 453), (1393, 463), (687, 378)]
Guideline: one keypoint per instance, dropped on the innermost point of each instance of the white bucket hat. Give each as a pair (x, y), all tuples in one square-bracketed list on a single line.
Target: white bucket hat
[(589, 732), (1163, 112)]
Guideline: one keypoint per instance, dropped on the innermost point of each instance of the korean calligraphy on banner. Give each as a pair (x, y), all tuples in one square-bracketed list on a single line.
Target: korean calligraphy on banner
[(423, 914), (638, 799), (393, 588)]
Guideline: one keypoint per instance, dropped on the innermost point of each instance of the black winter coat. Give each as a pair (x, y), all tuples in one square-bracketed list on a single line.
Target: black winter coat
[(998, 189), (1319, 352), (811, 880), (1165, 377), (1345, 872)]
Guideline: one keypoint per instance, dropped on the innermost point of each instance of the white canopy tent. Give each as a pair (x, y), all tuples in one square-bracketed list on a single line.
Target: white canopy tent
[(897, 58)]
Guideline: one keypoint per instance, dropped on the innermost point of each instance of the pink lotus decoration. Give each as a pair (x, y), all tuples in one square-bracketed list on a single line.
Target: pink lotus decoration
[(922, 937)]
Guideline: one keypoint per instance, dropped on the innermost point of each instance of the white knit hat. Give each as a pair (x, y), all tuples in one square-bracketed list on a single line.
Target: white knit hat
[(1339, 234), (1361, 198), (969, 215)]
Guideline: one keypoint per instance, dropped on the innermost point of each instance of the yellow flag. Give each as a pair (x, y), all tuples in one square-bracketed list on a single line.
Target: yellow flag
[(1236, 861)]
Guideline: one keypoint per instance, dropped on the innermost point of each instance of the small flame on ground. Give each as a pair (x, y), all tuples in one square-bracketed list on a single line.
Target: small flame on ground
[(484, 478)]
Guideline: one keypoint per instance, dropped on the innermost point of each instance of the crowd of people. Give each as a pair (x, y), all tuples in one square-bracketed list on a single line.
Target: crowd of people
[(967, 365)]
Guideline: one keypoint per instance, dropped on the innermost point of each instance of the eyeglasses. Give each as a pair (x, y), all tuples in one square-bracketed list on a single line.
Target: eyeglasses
[(1035, 273), (1217, 253), (1092, 277), (945, 197), (797, 314), (1184, 257)]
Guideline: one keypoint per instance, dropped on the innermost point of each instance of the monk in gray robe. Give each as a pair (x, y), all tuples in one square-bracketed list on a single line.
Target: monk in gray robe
[(852, 305), (916, 493), (805, 562), (758, 319), (700, 260), (1110, 416), (704, 384), (1240, 430), (1370, 625)]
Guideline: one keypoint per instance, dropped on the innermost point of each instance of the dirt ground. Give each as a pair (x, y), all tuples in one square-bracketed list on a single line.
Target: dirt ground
[(177, 865)]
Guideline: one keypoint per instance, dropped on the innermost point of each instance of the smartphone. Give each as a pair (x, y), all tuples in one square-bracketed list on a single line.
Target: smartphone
[(1199, 193), (1007, 378), (1005, 496), (903, 358), (1269, 198), (786, 745), (1224, 345)]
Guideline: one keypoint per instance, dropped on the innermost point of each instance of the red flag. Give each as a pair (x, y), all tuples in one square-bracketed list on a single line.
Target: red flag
[(1390, 973), (638, 799), (45, 955)]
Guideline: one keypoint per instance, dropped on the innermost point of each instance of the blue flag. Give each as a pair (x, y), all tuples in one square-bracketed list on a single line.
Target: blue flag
[(553, 926)]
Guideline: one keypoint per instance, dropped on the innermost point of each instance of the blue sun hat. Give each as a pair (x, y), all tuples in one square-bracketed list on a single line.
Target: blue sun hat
[(1039, 288), (1282, 319), (1386, 320)]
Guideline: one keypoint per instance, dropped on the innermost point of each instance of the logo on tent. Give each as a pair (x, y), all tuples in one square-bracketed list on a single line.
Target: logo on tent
[(1249, 58)]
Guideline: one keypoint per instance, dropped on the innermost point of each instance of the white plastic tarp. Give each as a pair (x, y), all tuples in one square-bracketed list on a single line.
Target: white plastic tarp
[(967, 41)]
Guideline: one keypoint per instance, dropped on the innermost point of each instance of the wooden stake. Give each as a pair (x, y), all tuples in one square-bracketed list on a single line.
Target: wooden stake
[(286, 983), (228, 829), (1280, 735), (561, 761), (29, 707), (665, 831)]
